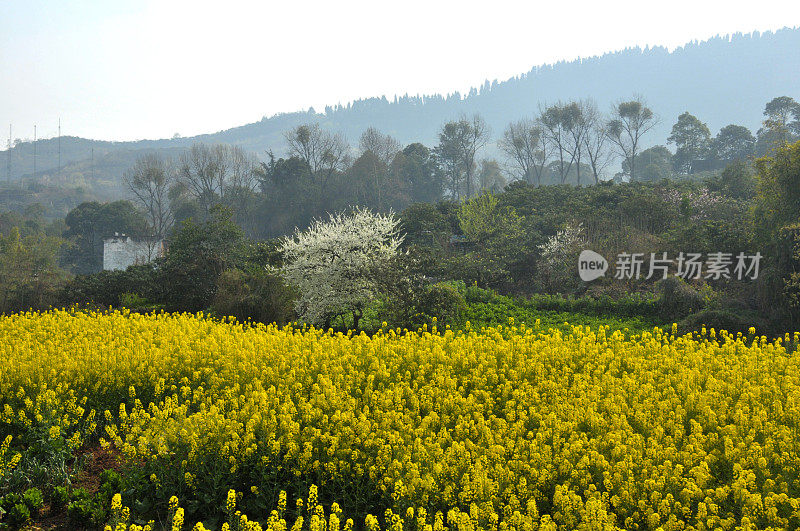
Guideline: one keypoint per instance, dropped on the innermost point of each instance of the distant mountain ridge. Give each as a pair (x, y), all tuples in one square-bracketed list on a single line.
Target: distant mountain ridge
[(722, 80)]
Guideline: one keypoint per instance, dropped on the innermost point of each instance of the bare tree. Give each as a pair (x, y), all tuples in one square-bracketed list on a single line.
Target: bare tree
[(325, 153), (573, 115), (630, 120), (595, 141), (385, 147), (490, 177), (239, 190), (525, 145), (204, 171), (149, 180), (553, 123)]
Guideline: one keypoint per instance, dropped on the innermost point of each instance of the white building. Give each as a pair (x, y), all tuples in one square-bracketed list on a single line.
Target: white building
[(122, 251)]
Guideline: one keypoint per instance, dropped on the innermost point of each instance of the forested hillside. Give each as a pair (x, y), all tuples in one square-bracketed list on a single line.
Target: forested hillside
[(724, 80)]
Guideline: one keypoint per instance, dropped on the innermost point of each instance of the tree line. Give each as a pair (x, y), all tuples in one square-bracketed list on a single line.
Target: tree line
[(223, 212), (567, 142)]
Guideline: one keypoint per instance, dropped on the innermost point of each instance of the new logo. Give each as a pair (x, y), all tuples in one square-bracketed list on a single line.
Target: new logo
[(591, 265)]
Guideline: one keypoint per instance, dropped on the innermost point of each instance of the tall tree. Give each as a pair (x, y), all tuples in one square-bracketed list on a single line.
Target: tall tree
[(459, 144), (779, 113), (240, 188), (595, 141), (370, 184), (198, 254), (777, 215), (630, 121), (692, 140), (654, 163), (203, 171), (577, 126), (554, 124), (781, 123), (490, 178), (289, 192), (377, 153), (418, 166), (732, 143), (385, 147), (525, 146), (325, 153), (149, 180)]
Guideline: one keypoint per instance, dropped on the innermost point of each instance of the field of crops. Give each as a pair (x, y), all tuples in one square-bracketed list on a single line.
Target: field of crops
[(510, 427)]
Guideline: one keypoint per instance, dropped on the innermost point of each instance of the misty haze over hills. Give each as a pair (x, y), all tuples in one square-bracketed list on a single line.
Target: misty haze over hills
[(723, 80)]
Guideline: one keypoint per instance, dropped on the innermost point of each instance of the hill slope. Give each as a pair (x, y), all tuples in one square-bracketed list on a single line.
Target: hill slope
[(723, 80)]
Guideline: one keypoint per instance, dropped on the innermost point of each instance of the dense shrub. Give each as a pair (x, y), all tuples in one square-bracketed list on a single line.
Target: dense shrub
[(678, 299), (16, 510), (107, 288), (254, 295), (442, 302), (198, 254), (729, 320)]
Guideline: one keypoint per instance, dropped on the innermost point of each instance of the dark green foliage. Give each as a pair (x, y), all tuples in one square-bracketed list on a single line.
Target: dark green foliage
[(417, 166), (254, 295), (733, 143), (18, 515), (736, 181), (692, 140), (652, 164), (87, 510), (19, 509), (198, 254), (83, 510), (33, 499), (428, 225), (486, 308), (107, 288), (442, 303), (731, 320), (678, 298), (90, 223), (59, 498), (777, 215)]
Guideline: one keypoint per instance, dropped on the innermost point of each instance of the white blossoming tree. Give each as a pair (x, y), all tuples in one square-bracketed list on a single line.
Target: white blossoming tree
[(332, 263), (559, 258)]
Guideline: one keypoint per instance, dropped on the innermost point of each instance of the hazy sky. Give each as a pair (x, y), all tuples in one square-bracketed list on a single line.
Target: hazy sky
[(128, 70)]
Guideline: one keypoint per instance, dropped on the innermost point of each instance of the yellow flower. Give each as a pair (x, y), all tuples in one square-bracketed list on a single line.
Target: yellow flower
[(230, 504)]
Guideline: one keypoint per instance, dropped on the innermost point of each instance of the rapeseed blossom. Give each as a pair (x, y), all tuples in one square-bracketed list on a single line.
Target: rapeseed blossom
[(509, 427)]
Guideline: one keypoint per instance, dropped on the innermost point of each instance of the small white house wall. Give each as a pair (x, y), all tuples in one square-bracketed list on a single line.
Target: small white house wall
[(119, 253)]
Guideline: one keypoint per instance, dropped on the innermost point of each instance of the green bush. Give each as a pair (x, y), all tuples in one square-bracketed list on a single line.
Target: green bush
[(133, 301), (198, 254), (255, 295), (33, 499), (475, 294), (83, 510), (678, 299), (19, 515), (109, 288), (442, 301), (19, 508), (59, 498), (728, 320)]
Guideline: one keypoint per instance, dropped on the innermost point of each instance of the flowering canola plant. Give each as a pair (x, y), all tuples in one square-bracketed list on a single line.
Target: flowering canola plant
[(508, 427)]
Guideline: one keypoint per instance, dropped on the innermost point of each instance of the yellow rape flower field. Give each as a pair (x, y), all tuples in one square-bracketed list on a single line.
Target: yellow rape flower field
[(512, 427)]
